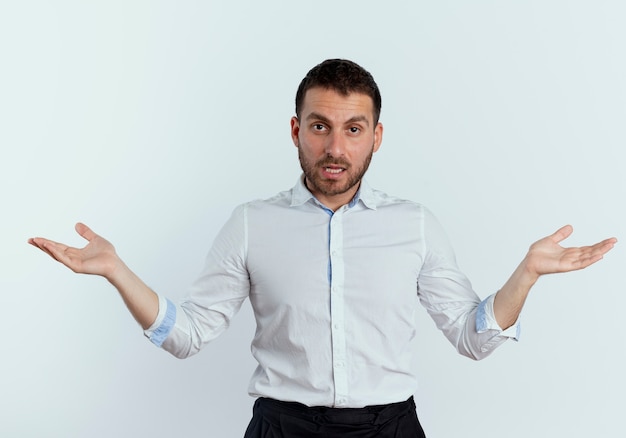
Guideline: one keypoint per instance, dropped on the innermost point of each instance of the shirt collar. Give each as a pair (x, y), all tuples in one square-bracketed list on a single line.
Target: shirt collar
[(300, 195)]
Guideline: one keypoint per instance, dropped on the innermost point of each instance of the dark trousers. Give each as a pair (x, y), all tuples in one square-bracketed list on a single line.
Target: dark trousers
[(277, 419)]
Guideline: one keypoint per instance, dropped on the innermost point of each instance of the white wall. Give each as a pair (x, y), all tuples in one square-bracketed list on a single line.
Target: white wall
[(151, 120)]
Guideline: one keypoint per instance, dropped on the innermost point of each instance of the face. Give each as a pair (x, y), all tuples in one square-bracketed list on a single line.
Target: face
[(336, 137)]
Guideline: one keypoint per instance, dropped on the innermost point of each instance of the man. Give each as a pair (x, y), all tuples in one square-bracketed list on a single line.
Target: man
[(334, 270)]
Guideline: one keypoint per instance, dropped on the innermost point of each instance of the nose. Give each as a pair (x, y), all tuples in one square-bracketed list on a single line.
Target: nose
[(335, 144)]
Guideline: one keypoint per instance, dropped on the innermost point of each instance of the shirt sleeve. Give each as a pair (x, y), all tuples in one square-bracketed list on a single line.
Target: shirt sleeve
[(446, 293), (215, 297), (164, 322), (486, 320)]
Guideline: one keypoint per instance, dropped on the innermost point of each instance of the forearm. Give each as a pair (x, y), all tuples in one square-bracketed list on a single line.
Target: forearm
[(510, 299), (142, 302)]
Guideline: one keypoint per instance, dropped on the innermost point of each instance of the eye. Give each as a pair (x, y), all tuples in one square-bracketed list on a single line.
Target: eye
[(354, 130), (318, 127)]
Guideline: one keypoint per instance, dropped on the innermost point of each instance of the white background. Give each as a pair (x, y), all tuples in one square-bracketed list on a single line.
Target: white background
[(151, 120)]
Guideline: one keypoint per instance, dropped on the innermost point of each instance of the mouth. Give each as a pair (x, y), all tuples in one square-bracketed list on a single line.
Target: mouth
[(334, 170)]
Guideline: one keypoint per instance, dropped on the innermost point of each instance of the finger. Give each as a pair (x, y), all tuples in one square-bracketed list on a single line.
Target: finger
[(562, 233), (591, 254), (51, 248), (605, 246), (599, 248), (85, 231), (40, 242), (611, 240), (37, 242), (61, 253), (590, 261)]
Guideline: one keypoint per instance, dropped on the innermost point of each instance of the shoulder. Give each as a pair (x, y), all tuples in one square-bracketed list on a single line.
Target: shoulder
[(259, 208), (401, 209), (383, 200), (281, 199)]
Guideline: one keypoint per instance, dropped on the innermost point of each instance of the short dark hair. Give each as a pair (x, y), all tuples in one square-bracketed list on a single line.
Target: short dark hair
[(342, 76)]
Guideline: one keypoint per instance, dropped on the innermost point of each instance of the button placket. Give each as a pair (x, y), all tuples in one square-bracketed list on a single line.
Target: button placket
[(337, 309)]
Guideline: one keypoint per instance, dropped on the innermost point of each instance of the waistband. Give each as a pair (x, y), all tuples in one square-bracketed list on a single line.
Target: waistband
[(375, 414)]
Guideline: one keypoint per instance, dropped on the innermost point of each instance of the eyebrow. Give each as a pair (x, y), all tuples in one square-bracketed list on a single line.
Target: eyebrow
[(318, 116)]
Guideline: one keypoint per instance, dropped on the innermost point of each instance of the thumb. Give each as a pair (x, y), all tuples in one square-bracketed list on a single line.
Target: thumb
[(562, 233), (85, 231)]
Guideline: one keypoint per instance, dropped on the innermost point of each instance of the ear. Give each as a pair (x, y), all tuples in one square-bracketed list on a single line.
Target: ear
[(378, 136), (295, 130)]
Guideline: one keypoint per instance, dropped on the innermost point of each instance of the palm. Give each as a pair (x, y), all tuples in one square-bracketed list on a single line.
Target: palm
[(98, 257), (546, 256)]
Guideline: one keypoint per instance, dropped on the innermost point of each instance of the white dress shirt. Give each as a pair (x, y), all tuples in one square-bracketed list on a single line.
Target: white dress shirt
[(334, 295)]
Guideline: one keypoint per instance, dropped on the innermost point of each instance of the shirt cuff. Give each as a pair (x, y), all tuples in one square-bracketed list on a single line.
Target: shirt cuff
[(486, 320), (163, 324)]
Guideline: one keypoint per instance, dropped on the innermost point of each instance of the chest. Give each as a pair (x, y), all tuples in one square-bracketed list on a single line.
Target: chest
[(372, 257)]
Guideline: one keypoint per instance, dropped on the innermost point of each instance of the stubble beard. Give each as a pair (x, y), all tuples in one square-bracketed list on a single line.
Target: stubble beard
[(330, 187)]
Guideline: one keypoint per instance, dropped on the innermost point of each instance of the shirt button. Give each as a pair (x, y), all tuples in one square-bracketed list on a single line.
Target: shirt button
[(339, 364)]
